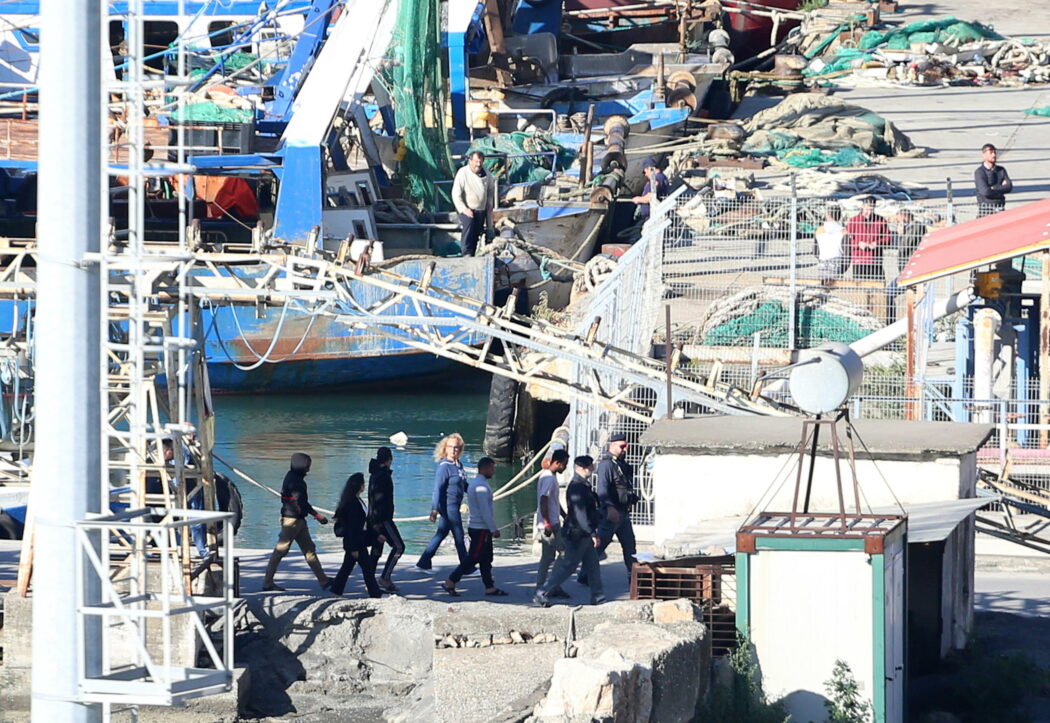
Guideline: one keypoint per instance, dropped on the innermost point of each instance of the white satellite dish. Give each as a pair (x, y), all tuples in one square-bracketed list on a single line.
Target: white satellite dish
[(824, 378)]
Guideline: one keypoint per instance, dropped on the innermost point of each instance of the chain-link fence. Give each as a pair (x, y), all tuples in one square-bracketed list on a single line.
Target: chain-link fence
[(627, 303), (749, 279)]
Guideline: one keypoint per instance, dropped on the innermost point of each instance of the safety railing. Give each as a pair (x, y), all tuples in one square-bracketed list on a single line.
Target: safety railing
[(152, 625)]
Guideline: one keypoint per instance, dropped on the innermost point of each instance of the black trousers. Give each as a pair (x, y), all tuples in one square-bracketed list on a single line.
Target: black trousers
[(368, 572), (480, 555), (397, 547), (472, 228)]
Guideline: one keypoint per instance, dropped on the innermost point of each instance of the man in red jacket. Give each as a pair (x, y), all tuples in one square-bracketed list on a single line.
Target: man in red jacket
[(868, 235)]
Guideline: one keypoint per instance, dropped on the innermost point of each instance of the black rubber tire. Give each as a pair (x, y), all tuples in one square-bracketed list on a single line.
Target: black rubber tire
[(10, 528), (228, 499), (499, 424)]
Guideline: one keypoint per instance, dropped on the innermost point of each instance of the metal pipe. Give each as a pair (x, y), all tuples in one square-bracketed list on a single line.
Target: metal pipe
[(889, 334), (986, 327), (67, 462), (793, 304)]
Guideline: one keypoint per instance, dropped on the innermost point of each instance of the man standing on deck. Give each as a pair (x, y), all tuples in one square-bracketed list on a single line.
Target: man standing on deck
[(992, 183), (548, 519), (295, 506), (580, 534), (473, 192), (655, 189), (869, 235)]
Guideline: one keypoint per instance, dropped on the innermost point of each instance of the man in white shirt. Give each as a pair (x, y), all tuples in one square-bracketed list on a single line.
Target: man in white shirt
[(473, 192), (481, 529), (548, 518)]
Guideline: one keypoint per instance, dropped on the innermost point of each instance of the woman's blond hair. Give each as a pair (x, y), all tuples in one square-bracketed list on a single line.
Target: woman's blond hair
[(442, 446)]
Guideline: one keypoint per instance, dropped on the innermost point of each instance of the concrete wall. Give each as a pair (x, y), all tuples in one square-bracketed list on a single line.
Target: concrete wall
[(809, 609), (693, 488)]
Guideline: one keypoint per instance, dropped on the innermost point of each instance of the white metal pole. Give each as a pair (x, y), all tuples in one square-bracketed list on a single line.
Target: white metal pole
[(67, 462)]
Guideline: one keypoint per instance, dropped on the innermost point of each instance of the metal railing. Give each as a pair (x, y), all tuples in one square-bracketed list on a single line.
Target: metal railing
[(626, 306)]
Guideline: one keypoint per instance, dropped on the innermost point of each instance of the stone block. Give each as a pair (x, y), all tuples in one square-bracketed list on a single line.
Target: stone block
[(678, 654), (606, 688), (677, 611)]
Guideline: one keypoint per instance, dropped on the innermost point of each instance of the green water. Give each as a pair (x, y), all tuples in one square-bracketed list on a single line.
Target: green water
[(341, 431)]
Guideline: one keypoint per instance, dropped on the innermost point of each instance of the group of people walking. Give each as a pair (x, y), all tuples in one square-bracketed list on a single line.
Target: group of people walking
[(570, 538), (364, 529)]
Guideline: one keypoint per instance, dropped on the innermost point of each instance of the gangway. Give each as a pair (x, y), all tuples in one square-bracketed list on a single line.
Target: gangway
[(433, 319)]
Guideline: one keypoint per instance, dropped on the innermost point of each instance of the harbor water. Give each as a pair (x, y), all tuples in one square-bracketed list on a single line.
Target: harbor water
[(341, 432)]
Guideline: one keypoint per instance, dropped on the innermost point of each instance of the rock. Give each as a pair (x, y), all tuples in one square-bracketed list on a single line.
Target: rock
[(516, 637), (676, 611), (608, 688), (502, 640), (678, 654)]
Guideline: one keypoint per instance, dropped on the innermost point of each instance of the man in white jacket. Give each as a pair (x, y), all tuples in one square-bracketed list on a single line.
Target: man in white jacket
[(482, 530), (473, 192)]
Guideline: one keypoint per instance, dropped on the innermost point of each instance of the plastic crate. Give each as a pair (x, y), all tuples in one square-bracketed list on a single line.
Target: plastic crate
[(213, 138)]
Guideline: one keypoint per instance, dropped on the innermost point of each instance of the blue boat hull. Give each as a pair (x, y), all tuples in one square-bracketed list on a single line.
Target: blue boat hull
[(307, 352)]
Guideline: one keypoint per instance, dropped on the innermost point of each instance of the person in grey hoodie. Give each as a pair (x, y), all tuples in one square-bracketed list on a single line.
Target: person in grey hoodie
[(473, 193), (482, 530)]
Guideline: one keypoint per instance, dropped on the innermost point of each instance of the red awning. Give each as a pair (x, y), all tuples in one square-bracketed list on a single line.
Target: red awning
[(1016, 232)]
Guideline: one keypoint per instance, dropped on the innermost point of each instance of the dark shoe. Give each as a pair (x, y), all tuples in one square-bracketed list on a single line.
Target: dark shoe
[(327, 584), (559, 594), (496, 592), (540, 600), (387, 587), (272, 588), (450, 590), (583, 580), (424, 566), (599, 600)]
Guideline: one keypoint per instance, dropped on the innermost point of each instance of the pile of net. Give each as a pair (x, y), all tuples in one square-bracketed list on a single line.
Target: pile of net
[(807, 130), (947, 51), (417, 88), (821, 317), (218, 103), (521, 157)]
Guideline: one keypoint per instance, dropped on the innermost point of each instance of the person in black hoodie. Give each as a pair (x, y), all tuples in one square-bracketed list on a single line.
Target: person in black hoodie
[(295, 506), (381, 515), (351, 523)]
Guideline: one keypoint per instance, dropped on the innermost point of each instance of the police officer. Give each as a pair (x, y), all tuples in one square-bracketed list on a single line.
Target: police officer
[(616, 496), (580, 535)]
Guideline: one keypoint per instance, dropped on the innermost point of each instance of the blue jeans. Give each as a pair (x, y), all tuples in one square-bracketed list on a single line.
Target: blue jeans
[(448, 521), (578, 549)]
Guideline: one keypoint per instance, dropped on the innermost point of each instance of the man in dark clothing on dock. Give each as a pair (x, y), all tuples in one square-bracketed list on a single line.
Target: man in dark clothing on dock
[(580, 534), (295, 506), (381, 515), (616, 495), (992, 183)]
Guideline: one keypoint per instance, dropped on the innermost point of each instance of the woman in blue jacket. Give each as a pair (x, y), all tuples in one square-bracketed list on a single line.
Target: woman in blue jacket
[(450, 484), (351, 523)]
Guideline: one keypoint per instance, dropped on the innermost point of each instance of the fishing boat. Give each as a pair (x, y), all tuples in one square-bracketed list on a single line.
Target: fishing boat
[(755, 25)]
